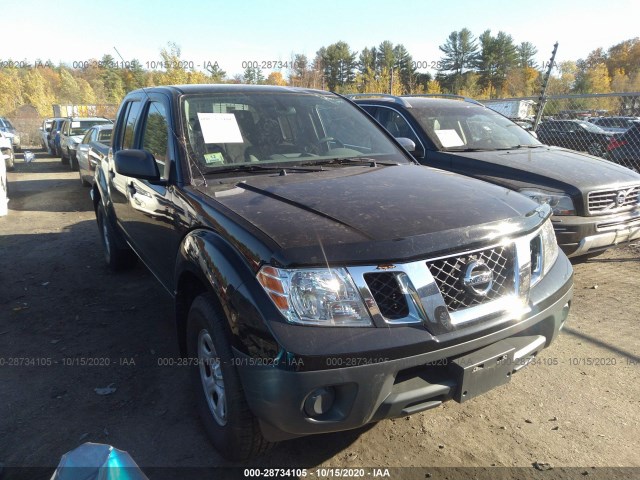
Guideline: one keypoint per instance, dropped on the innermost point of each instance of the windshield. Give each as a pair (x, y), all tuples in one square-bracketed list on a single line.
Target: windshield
[(465, 126), (267, 127), (81, 126), (7, 124), (590, 127)]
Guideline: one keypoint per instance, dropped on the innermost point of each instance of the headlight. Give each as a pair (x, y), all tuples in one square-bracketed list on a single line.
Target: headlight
[(549, 246), (315, 296), (559, 203)]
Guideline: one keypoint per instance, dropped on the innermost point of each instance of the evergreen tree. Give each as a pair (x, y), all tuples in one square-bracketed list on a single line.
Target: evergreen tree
[(460, 54)]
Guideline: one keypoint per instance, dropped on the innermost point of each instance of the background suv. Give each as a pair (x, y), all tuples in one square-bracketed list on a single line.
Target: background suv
[(596, 203), (71, 133)]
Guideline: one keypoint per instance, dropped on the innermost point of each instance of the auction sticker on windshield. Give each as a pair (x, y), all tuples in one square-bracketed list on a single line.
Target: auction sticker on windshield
[(219, 128), (449, 138)]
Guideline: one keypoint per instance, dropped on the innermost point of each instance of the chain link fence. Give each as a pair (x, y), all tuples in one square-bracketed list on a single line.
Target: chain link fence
[(605, 125)]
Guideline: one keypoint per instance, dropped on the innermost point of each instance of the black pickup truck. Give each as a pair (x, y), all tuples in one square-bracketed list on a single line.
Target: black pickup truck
[(322, 279)]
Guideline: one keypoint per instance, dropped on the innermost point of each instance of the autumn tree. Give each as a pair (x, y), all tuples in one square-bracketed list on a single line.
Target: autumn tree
[(11, 96), (275, 78), (37, 92)]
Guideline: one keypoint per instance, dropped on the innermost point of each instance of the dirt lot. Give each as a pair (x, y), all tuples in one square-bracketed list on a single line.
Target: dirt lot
[(577, 407)]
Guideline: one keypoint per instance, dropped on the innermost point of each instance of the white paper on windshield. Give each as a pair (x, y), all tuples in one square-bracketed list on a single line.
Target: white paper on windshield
[(220, 128), (75, 124), (449, 138)]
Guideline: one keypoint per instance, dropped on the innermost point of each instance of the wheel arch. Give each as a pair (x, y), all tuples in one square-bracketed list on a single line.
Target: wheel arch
[(208, 263)]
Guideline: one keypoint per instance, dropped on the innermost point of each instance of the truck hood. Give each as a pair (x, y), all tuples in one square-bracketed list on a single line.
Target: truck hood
[(367, 213), (552, 167)]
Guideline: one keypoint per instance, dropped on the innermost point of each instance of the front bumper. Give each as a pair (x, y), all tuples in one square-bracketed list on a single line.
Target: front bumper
[(382, 388), (582, 235)]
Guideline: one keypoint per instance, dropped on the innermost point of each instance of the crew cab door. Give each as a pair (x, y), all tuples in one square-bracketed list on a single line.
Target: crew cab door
[(145, 208)]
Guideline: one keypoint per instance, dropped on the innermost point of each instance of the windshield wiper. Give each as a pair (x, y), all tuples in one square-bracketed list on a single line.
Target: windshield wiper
[(513, 147), (260, 168), (494, 149), (344, 160), (453, 149)]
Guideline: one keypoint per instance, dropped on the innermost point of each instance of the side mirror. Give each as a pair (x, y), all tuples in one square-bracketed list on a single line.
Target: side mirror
[(411, 147), (137, 164), (408, 144)]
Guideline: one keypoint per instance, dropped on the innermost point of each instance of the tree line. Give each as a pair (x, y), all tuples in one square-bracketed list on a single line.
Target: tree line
[(487, 66)]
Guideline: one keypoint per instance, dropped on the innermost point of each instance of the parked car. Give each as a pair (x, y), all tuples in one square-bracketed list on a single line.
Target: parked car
[(625, 149), (45, 129), (322, 279), (614, 124), (595, 203), (54, 135), (6, 149), (93, 148), (71, 133), (575, 134), (12, 133)]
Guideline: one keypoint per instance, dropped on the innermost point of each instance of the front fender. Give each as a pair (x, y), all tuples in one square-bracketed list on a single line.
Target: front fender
[(224, 271)]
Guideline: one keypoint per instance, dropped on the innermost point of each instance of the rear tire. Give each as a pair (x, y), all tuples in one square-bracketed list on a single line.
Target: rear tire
[(222, 405), (596, 149), (116, 258)]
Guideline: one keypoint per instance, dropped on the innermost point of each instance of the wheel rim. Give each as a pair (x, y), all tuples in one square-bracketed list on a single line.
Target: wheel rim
[(211, 377), (595, 149)]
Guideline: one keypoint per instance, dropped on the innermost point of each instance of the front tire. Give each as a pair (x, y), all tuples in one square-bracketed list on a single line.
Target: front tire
[(221, 401), (116, 258), (73, 162), (83, 181), (64, 160)]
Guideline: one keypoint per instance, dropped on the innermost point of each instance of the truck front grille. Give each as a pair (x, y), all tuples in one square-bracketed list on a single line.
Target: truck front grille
[(613, 200), (449, 272), (388, 294)]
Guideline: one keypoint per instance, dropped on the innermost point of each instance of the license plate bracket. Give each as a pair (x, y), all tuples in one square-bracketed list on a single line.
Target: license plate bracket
[(483, 370)]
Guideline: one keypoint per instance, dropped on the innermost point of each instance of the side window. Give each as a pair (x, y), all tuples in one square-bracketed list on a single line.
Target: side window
[(88, 137), (127, 134), (370, 110), (63, 130), (396, 124), (155, 138)]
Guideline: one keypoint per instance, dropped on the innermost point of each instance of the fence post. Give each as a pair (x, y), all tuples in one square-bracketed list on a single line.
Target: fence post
[(542, 100)]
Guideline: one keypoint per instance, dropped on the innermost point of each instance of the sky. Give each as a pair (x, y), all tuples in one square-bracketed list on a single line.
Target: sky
[(233, 32)]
